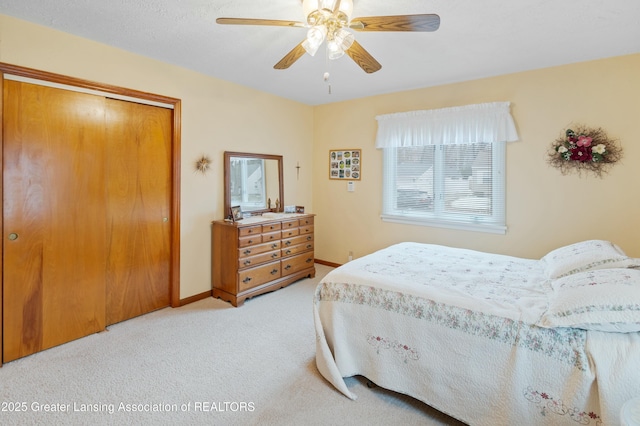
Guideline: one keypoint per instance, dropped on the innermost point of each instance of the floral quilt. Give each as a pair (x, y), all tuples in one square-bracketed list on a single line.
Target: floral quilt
[(457, 330)]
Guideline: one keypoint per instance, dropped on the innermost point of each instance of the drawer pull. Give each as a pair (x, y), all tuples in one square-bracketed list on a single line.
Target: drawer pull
[(309, 246), (274, 246), (309, 260), (309, 238), (287, 267), (247, 252), (287, 243), (250, 231), (250, 241), (275, 271), (247, 262), (274, 255), (246, 280), (287, 252)]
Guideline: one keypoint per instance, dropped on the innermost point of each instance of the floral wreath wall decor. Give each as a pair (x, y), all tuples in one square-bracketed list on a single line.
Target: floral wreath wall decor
[(585, 149)]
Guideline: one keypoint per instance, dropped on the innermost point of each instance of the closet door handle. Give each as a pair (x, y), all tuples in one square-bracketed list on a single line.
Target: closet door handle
[(13, 236)]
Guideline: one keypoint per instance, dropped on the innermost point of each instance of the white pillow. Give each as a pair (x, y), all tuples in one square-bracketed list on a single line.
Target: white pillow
[(602, 299), (585, 256)]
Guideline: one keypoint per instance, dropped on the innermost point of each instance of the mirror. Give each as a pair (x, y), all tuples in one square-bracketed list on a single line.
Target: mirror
[(253, 182)]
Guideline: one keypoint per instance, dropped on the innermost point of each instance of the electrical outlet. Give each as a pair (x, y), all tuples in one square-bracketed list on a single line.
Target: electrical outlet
[(350, 256)]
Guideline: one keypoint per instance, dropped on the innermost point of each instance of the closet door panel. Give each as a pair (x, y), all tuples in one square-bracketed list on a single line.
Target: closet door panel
[(138, 197), (54, 236)]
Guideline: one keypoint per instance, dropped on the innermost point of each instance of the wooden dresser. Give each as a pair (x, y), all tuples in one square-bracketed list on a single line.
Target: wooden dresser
[(260, 254)]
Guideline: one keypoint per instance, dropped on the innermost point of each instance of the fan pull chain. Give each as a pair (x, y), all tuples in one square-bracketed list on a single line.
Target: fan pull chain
[(326, 80), (327, 75)]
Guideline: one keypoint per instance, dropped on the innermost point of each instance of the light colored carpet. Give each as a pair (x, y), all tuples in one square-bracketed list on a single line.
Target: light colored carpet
[(208, 361)]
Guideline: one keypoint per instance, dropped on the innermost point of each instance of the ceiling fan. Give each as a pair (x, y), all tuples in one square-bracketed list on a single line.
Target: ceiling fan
[(330, 21)]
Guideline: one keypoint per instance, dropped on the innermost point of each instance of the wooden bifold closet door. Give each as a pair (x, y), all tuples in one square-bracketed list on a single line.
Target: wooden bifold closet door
[(138, 191), (86, 200)]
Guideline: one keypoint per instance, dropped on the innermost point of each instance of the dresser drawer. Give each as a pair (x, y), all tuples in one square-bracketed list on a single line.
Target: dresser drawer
[(306, 221), (290, 232), (297, 249), (250, 261), (261, 248), (290, 242), (297, 263), (251, 240), (271, 236), (307, 229), (271, 227), (290, 224), (249, 230), (252, 277)]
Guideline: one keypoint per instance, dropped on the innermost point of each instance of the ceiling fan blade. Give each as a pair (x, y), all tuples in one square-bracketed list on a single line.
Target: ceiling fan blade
[(288, 60), (270, 22), (363, 58), (429, 22)]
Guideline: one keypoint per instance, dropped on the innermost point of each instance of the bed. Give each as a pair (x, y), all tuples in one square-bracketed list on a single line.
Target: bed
[(488, 339)]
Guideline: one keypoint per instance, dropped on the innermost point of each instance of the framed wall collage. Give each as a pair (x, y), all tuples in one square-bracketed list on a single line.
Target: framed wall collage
[(345, 164)]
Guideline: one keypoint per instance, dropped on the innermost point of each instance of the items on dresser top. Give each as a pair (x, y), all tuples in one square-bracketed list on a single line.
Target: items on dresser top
[(261, 254)]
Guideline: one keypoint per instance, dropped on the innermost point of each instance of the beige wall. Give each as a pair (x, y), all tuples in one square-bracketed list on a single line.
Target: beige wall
[(544, 209), (217, 116)]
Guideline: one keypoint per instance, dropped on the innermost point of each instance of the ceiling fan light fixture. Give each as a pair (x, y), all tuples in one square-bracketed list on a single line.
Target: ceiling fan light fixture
[(315, 10), (317, 34), (334, 50), (310, 48), (315, 37), (344, 38)]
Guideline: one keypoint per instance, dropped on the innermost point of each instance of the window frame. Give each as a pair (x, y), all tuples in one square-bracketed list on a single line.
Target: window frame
[(496, 223)]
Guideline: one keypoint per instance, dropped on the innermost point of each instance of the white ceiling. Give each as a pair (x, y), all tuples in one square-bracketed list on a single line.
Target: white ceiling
[(477, 38)]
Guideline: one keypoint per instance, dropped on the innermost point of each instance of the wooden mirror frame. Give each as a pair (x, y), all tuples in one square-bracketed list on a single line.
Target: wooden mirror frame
[(227, 180)]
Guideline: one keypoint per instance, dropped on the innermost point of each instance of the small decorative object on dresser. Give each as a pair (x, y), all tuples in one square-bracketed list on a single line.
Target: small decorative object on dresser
[(236, 213), (260, 254)]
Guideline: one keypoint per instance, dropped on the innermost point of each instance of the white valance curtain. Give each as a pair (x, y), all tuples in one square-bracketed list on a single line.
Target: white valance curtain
[(488, 122)]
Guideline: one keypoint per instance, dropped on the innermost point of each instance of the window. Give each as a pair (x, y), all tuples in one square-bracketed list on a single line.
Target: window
[(446, 167), (459, 186)]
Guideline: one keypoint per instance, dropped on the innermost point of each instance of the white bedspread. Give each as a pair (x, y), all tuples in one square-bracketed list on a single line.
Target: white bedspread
[(455, 329)]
